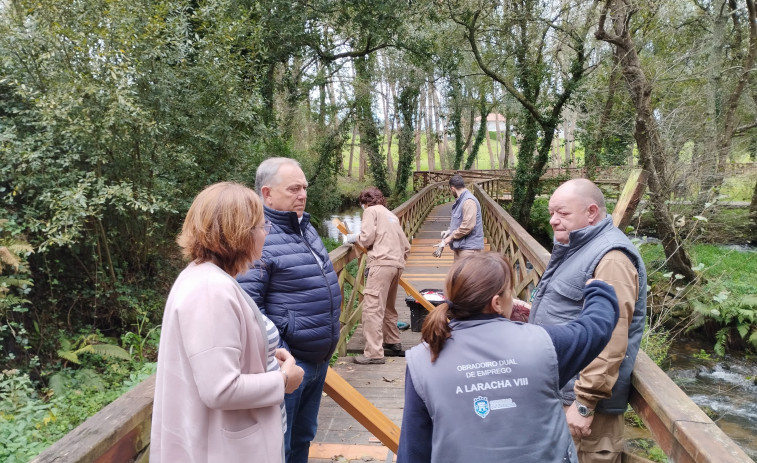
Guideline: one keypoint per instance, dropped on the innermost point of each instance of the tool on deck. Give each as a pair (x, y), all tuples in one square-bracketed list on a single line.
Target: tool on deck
[(407, 286)]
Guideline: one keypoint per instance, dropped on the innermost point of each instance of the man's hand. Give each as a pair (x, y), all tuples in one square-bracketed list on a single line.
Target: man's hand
[(580, 426), (351, 238)]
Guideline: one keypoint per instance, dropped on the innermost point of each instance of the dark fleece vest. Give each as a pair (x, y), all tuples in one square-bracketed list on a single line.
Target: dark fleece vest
[(559, 296)]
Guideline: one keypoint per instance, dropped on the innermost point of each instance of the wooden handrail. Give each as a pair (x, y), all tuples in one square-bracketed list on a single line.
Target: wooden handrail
[(120, 432), (362, 410)]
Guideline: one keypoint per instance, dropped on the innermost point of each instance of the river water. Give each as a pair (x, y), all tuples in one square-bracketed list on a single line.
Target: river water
[(351, 217), (726, 389)]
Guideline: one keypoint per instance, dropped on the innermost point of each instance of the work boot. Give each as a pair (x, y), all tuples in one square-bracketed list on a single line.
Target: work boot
[(363, 360), (393, 350)]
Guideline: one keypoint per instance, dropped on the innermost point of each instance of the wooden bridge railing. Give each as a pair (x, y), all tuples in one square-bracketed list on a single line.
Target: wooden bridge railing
[(120, 432), (606, 176), (528, 258)]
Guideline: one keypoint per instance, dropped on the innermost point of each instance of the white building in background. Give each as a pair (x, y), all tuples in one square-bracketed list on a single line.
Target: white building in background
[(493, 120)]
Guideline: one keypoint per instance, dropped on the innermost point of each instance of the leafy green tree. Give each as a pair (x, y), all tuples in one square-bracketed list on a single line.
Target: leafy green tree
[(482, 131), (511, 43), (369, 132), (112, 125), (614, 27), (408, 101)]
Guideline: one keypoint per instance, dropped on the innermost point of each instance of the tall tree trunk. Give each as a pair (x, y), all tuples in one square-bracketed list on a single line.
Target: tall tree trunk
[(440, 130), (482, 131), (406, 107), (352, 149), (389, 157), (753, 214), (647, 135), (385, 86), (369, 133), (591, 156), (362, 163), (554, 157), (492, 162), (422, 114), (725, 133), (430, 143), (570, 131), (418, 117), (507, 146)]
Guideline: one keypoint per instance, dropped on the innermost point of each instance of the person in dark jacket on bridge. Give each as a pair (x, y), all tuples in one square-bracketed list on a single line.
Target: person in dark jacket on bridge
[(295, 285), (482, 388)]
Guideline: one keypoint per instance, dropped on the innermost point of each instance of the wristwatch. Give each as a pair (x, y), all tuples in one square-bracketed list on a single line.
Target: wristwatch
[(583, 410)]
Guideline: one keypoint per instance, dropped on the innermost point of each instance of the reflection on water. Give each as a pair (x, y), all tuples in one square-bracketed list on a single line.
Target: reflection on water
[(351, 218), (725, 389)]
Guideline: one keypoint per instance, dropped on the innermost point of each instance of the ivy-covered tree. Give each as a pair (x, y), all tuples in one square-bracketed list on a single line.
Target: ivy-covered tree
[(515, 49)]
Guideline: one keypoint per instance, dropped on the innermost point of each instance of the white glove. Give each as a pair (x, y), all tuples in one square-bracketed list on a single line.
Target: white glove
[(439, 249), (445, 233), (351, 238)]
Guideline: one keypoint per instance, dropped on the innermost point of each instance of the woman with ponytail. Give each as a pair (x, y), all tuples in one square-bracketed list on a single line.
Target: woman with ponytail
[(486, 389)]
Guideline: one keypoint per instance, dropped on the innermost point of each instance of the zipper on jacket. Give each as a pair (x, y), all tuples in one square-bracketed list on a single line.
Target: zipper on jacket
[(328, 286)]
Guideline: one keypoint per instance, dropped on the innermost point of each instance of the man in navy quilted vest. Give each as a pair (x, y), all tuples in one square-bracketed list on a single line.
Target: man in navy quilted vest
[(295, 285), (587, 245)]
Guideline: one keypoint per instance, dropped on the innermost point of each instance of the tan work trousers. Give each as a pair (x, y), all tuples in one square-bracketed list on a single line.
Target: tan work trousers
[(379, 313), (460, 253), (605, 443)]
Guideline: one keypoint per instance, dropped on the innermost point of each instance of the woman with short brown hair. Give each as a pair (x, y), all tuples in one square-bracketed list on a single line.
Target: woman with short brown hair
[(221, 379)]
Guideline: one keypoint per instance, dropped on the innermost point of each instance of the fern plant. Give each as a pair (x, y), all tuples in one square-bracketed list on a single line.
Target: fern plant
[(90, 344), (13, 253), (735, 315)]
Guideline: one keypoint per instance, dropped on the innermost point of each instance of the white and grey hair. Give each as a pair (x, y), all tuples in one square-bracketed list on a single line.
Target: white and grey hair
[(266, 175)]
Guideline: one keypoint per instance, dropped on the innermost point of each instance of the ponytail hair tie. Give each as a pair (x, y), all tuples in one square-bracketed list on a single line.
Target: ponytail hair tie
[(449, 303)]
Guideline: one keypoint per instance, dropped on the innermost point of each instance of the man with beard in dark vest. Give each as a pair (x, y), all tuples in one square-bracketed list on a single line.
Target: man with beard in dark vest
[(587, 245), (465, 234)]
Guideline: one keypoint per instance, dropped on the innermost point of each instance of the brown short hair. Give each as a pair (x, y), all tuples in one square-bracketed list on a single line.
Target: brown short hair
[(219, 227), (471, 284), (372, 196)]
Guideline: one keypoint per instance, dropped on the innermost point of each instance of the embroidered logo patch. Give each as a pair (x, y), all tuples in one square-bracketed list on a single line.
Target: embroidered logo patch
[(481, 406)]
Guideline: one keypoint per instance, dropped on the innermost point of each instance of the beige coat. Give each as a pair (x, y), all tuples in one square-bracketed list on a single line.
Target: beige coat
[(382, 235), (214, 400)]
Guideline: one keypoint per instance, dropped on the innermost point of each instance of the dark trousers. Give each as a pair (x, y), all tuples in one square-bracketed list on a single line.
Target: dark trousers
[(302, 408)]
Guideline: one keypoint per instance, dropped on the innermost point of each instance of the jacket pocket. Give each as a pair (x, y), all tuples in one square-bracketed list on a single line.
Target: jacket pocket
[(242, 433), (569, 300), (568, 290), (242, 446)]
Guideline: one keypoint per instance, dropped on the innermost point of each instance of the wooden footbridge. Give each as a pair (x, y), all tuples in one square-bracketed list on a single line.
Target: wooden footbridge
[(361, 414)]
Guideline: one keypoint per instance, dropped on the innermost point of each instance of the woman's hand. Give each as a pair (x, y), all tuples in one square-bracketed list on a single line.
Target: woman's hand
[(292, 373)]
